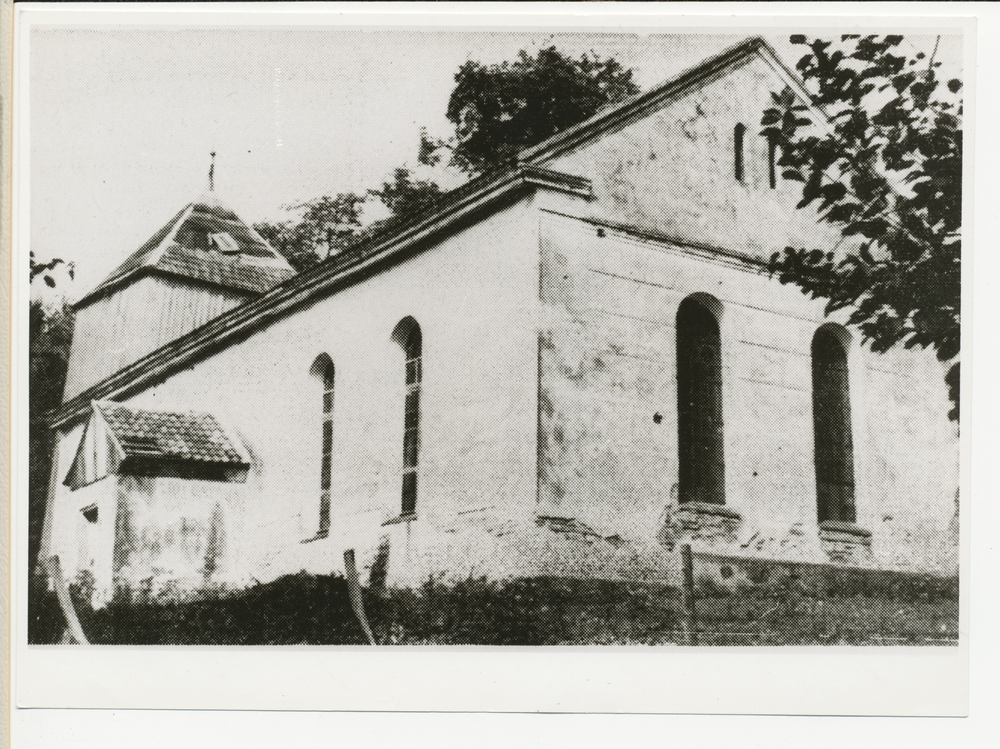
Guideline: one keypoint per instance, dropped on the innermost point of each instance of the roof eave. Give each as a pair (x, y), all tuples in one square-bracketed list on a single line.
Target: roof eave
[(609, 119), (340, 271), (153, 270), (624, 113), (109, 287)]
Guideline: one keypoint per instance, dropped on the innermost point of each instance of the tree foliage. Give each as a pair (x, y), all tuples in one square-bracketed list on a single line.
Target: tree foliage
[(328, 225), (406, 195), (37, 268), (500, 109), (496, 110), (887, 172), (50, 331)]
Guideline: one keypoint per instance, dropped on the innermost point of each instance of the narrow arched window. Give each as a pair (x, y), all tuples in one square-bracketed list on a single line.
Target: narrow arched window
[(772, 161), (832, 429), (702, 474), (408, 336), (738, 133), (323, 370)]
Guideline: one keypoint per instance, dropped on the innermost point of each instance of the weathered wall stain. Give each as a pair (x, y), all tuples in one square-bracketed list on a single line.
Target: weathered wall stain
[(608, 431)]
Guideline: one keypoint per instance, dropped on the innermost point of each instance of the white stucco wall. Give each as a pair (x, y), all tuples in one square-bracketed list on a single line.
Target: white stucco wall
[(608, 359), (608, 365), (672, 171), (534, 286), (475, 296)]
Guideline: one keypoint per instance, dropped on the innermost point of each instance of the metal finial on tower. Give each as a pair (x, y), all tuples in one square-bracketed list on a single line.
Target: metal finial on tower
[(211, 174)]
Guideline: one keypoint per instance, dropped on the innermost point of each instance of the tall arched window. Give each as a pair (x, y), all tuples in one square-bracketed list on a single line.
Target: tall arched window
[(408, 336), (322, 370), (702, 474), (738, 133), (832, 429), (772, 161)]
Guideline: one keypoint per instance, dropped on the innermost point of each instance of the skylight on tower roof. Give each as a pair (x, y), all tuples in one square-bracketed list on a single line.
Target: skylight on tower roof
[(224, 243)]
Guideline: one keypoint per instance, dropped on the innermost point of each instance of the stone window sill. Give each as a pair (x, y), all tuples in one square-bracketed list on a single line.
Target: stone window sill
[(850, 529), (408, 517), (704, 508)]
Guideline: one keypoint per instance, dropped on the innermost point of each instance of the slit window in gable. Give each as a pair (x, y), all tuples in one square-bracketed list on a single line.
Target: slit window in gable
[(738, 133), (772, 159)]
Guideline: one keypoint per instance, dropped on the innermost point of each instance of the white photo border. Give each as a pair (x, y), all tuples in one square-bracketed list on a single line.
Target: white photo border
[(787, 680)]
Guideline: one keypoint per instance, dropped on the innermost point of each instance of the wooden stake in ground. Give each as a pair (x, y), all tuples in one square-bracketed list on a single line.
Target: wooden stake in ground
[(690, 620), (65, 600), (354, 588)]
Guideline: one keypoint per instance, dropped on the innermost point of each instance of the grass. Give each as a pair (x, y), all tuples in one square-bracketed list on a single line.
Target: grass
[(832, 608)]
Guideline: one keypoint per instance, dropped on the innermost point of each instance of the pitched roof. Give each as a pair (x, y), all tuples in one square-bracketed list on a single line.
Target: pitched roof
[(207, 242), (169, 435), (624, 113), (121, 439), (401, 236)]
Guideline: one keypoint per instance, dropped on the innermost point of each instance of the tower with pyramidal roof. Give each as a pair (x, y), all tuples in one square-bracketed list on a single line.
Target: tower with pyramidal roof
[(203, 262)]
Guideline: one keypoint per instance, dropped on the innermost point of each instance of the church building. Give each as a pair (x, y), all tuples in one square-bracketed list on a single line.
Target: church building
[(567, 367)]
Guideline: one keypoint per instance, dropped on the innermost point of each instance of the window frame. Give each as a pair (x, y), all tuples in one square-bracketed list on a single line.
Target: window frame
[(701, 474), (325, 372), (833, 424), (739, 159), (412, 345)]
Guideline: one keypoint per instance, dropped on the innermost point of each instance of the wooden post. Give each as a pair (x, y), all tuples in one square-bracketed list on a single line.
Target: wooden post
[(690, 620), (354, 588), (65, 600)]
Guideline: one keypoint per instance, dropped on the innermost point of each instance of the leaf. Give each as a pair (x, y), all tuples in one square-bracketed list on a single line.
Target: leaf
[(889, 179)]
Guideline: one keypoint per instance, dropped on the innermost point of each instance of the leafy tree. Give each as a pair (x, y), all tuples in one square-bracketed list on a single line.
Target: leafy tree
[(499, 109), (405, 195), (328, 225), (50, 330), (887, 172), (37, 268)]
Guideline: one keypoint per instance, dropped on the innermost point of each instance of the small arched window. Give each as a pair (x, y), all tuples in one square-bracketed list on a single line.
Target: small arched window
[(322, 370), (772, 161), (832, 429), (701, 468), (738, 133), (410, 339)]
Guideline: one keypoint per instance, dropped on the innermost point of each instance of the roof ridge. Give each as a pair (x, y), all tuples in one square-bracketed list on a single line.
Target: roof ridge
[(104, 403), (457, 205), (154, 257), (154, 251), (613, 114)]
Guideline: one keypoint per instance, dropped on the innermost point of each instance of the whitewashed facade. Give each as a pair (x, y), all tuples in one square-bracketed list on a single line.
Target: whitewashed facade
[(547, 300)]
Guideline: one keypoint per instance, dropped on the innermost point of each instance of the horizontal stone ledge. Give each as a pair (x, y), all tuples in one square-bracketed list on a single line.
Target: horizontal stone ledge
[(706, 508), (850, 529)]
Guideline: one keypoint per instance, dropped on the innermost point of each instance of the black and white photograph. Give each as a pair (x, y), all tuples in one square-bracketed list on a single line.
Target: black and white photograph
[(416, 337)]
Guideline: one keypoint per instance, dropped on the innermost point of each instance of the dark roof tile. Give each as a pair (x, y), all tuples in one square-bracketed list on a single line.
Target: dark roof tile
[(221, 270), (185, 246), (166, 435)]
